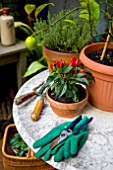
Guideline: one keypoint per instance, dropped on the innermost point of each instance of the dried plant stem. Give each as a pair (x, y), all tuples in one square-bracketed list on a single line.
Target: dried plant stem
[(105, 46), (106, 43)]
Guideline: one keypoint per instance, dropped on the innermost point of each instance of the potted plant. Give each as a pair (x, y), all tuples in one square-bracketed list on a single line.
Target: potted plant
[(63, 35), (65, 38), (97, 58), (67, 93)]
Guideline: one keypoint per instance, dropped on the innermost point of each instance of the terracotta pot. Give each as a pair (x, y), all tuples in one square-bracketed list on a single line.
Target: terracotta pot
[(50, 55), (100, 91), (67, 110)]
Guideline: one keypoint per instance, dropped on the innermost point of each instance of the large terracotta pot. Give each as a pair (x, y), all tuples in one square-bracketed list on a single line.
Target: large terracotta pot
[(50, 55), (100, 91), (67, 110)]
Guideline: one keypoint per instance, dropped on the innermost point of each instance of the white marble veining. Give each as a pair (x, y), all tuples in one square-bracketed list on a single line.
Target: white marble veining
[(97, 153)]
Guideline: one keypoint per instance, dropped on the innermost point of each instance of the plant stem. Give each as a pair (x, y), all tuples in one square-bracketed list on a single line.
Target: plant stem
[(74, 9), (90, 20), (105, 46)]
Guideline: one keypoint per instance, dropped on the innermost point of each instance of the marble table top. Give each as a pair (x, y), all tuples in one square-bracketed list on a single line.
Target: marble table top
[(97, 152)]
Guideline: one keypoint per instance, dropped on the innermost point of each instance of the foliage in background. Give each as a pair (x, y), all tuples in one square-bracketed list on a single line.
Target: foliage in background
[(91, 13), (108, 12), (65, 31), (40, 63)]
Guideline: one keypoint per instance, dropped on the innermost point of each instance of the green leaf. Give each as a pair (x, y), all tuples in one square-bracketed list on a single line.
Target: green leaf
[(75, 98), (89, 74), (64, 88), (79, 75), (69, 93), (40, 8), (52, 78), (65, 26), (66, 69), (21, 24), (62, 81), (20, 153), (72, 81), (53, 86), (84, 14), (69, 21), (83, 81), (91, 11), (29, 8), (58, 89), (15, 138), (33, 68), (16, 135)]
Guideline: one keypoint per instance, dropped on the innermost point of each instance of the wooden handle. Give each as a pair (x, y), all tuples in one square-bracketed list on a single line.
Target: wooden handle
[(19, 100), (37, 110)]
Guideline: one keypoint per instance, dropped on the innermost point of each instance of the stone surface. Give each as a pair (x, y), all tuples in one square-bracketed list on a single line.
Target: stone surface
[(97, 153)]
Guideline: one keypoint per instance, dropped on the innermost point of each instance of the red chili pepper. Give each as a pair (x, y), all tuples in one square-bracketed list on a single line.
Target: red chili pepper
[(73, 61), (81, 71), (55, 61), (51, 67), (60, 64), (71, 64), (64, 63)]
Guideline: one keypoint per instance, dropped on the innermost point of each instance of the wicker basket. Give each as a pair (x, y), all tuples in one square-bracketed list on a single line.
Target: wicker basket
[(12, 162)]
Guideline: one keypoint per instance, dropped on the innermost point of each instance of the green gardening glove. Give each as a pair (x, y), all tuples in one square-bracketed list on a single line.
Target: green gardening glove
[(45, 143), (46, 140), (69, 147)]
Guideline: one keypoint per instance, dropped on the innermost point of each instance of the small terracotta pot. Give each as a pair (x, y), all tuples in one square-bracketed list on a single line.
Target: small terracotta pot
[(50, 55), (67, 110), (100, 91)]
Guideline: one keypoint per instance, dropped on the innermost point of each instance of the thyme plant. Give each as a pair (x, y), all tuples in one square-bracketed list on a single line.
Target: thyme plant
[(68, 35)]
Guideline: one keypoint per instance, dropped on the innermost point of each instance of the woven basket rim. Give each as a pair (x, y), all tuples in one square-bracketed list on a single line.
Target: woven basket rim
[(4, 144)]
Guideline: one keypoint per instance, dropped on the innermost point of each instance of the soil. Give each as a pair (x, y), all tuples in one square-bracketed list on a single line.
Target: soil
[(108, 57), (63, 99)]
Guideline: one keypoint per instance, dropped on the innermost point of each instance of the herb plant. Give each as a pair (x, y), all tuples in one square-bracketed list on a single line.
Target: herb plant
[(18, 145), (67, 80), (70, 34)]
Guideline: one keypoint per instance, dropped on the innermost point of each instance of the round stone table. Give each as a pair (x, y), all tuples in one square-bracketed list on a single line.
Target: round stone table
[(97, 152)]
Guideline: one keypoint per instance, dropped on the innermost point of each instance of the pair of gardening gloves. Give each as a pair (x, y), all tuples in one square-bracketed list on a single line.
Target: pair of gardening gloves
[(65, 149)]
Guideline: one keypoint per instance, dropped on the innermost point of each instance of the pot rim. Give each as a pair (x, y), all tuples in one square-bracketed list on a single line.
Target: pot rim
[(92, 65), (68, 104), (58, 52)]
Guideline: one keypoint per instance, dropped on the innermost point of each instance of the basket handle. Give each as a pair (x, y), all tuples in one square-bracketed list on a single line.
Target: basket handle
[(30, 154)]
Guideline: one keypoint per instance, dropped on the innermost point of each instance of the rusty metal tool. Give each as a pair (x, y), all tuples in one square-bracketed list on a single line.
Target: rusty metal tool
[(19, 100)]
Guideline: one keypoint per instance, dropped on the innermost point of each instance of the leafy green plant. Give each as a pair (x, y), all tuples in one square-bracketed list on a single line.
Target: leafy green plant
[(108, 12), (67, 80), (68, 35), (91, 13), (68, 31), (18, 145), (40, 63)]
